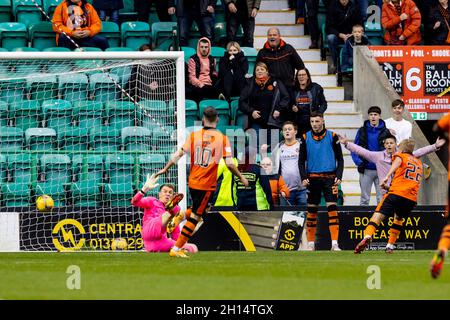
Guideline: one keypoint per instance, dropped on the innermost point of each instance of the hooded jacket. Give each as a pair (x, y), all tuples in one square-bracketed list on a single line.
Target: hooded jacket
[(409, 28), (347, 52), (202, 71)]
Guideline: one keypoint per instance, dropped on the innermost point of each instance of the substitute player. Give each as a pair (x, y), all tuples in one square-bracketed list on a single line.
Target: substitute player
[(402, 195), (206, 147), (443, 128), (156, 217), (321, 168)]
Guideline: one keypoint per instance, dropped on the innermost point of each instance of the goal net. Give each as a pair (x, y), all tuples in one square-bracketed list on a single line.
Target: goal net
[(85, 128)]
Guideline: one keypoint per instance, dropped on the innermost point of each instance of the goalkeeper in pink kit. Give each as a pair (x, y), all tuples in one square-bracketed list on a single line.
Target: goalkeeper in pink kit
[(158, 214)]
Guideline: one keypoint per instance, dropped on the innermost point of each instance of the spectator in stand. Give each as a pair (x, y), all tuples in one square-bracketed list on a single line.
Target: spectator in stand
[(401, 19), (371, 136), (200, 11), (264, 99), (241, 12), (356, 39), (312, 22), (439, 24), (78, 20), (308, 97), (233, 67), (341, 17), (400, 128), (277, 184), (108, 8), (281, 58), (202, 73), (143, 9)]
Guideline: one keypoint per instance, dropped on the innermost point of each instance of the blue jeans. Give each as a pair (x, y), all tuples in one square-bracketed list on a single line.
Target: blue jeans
[(333, 43), (296, 198), (95, 41), (113, 15), (205, 25)]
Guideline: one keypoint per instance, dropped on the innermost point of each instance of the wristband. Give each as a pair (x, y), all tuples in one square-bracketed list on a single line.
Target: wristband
[(143, 193)]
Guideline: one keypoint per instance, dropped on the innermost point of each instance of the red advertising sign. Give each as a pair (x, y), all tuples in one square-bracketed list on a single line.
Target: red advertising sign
[(419, 74)]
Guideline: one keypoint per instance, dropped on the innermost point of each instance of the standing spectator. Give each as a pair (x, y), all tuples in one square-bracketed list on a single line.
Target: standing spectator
[(356, 39), (371, 136), (143, 9), (263, 99), (281, 58), (401, 19), (308, 97), (341, 17), (241, 12), (78, 20), (277, 184), (188, 11), (202, 73), (321, 176), (438, 26), (257, 195), (312, 22), (108, 8), (399, 127), (233, 67)]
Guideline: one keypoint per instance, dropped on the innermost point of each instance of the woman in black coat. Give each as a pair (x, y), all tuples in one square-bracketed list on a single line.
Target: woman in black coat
[(233, 67), (108, 8)]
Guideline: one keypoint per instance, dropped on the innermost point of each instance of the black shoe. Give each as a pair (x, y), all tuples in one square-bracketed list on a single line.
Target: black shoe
[(314, 45)]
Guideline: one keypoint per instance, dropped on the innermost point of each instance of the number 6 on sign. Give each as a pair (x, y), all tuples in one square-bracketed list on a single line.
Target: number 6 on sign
[(413, 76)]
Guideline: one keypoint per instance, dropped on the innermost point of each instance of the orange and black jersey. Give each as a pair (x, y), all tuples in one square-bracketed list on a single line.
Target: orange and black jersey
[(443, 125), (407, 177)]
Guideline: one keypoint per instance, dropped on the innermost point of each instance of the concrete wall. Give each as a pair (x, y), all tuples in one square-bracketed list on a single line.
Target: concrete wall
[(372, 88)]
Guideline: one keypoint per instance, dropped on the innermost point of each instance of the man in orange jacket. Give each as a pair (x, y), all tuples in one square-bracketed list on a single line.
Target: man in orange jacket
[(78, 20), (401, 19)]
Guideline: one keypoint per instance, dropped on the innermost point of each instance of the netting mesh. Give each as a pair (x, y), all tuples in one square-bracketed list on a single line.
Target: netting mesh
[(86, 133)]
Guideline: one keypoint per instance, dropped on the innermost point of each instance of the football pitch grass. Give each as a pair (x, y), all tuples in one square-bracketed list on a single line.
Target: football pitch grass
[(223, 275)]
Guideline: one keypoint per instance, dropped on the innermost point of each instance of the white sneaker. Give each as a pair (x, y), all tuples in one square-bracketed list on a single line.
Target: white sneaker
[(335, 247), (310, 246)]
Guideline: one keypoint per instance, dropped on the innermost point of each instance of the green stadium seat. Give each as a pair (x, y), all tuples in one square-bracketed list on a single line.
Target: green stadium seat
[(194, 32), (50, 6), (13, 35), (42, 139), (51, 66), (191, 112), (3, 169), (103, 86), (56, 49), (128, 13), (5, 10), (135, 34), (12, 90), (105, 139), (26, 12), (4, 114), (11, 139), (89, 64), (222, 107), (151, 111), (162, 34), (74, 86), (121, 114), (26, 67), (110, 30), (192, 42), (74, 139), (136, 139), (25, 49), (120, 170), (26, 114), (21, 176), (217, 52), (251, 54), (42, 35), (88, 114), (57, 114), (188, 52), (119, 49), (149, 164), (164, 140), (55, 176), (220, 32), (88, 171), (42, 86)]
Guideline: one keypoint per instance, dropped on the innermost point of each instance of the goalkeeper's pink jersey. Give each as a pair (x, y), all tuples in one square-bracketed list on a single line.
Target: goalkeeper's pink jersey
[(153, 208)]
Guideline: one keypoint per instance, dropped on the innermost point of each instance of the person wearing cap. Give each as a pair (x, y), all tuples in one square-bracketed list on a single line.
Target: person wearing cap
[(370, 136)]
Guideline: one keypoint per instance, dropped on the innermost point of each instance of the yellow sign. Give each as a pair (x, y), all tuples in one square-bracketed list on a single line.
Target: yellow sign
[(289, 234), (68, 235)]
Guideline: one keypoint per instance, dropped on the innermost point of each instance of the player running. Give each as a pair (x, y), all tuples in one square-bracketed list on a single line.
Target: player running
[(443, 128), (402, 195), (157, 215), (206, 147)]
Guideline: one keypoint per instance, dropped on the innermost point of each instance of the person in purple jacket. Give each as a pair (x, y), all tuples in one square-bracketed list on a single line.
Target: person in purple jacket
[(383, 162)]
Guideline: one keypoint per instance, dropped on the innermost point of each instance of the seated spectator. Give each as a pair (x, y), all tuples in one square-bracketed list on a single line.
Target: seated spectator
[(108, 8), (400, 128), (401, 19), (233, 67), (264, 99), (202, 73), (356, 39), (258, 195), (308, 97), (341, 17), (188, 11), (277, 184), (439, 24), (241, 12), (78, 20)]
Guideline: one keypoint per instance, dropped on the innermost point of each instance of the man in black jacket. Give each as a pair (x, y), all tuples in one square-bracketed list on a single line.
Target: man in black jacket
[(281, 58), (200, 11), (241, 12)]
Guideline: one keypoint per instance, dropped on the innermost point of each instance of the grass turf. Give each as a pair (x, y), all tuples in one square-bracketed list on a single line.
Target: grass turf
[(222, 275)]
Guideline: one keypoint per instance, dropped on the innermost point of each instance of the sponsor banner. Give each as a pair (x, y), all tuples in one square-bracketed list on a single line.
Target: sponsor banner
[(290, 231), (419, 74)]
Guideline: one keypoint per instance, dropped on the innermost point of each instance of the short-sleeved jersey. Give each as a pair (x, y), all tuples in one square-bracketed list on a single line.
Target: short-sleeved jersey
[(407, 177), (444, 125), (206, 147)]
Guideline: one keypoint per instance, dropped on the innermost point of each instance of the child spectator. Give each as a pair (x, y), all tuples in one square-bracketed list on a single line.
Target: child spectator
[(108, 8), (233, 67), (356, 39)]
